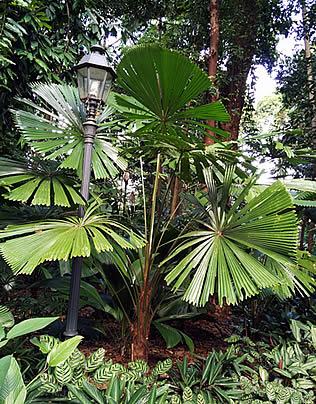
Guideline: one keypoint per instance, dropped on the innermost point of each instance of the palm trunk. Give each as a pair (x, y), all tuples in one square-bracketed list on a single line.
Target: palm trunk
[(213, 55), (141, 327), (310, 238), (176, 189)]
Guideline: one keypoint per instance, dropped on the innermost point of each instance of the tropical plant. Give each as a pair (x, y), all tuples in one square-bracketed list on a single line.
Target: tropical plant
[(39, 180), (221, 252), (216, 379), (85, 377), (55, 128), (18, 330), (63, 239), (159, 110), (12, 387), (257, 391)]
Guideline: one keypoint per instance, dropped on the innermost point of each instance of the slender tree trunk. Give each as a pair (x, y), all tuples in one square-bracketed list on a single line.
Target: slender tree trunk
[(310, 238), (309, 68), (213, 55), (310, 79), (175, 192)]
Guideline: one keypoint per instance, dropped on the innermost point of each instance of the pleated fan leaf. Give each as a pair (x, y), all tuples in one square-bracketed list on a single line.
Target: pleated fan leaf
[(55, 128), (63, 239), (159, 85), (219, 257), (37, 183)]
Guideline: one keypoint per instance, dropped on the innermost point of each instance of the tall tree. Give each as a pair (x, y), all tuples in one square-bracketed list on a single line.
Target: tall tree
[(213, 53)]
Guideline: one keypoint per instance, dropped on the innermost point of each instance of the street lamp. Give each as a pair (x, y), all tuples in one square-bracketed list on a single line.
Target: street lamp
[(94, 82)]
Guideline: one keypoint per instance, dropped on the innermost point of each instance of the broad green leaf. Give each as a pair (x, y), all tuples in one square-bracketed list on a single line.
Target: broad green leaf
[(2, 333), (57, 130), (12, 388), (6, 317), (63, 350), (219, 259), (62, 240), (171, 336), (29, 326), (158, 85), (41, 184)]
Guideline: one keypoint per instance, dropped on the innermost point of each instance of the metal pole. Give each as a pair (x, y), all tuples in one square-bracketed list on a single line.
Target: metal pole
[(90, 128)]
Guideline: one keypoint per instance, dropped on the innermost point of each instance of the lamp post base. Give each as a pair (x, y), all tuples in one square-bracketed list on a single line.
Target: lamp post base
[(73, 308)]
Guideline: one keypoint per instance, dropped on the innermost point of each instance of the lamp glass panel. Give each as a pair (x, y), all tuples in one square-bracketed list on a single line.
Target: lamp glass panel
[(97, 76), (106, 86), (82, 76)]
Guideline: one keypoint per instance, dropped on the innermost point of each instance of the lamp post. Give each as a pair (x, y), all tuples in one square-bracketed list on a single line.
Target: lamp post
[(94, 82)]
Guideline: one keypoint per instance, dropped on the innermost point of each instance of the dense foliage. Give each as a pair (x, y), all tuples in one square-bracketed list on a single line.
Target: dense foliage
[(180, 228)]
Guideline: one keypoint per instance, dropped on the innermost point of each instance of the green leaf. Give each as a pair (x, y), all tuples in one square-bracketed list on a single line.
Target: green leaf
[(171, 336), (63, 350), (56, 129), (159, 84), (62, 239), (29, 326), (12, 388), (219, 255), (6, 317), (40, 184)]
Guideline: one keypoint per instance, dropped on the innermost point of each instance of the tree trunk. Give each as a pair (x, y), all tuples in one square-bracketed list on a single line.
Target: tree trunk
[(239, 64), (309, 68), (310, 238), (141, 328), (175, 192), (234, 92), (310, 80), (213, 55)]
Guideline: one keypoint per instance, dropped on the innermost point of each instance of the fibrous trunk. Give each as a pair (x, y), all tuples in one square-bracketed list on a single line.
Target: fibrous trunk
[(141, 327)]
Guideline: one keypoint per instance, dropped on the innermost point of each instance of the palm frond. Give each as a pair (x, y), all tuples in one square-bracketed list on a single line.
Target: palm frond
[(294, 277), (159, 84), (32, 244), (55, 128), (39, 184), (219, 256)]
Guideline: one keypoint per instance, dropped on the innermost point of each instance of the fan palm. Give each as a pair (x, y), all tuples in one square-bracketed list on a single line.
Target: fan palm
[(159, 109), (225, 254), (160, 85), (55, 128), (63, 239), (38, 182)]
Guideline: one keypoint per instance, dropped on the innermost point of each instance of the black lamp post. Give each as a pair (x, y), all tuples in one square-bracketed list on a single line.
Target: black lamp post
[(94, 82)]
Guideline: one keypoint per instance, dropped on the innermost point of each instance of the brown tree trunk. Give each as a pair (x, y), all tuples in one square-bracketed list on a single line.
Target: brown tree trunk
[(176, 190), (310, 238), (141, 328), (309, 68), (234, 92), (213, 55), (310, 80), (239, 65)]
